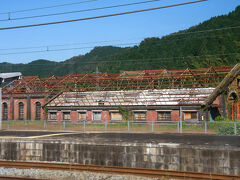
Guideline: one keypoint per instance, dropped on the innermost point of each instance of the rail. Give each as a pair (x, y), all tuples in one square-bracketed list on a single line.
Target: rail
[(118, 170)]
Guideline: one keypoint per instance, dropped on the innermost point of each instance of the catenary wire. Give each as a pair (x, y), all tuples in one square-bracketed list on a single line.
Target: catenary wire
[(78, 11), (48, 7), (102, 16), (176, 59), (163, 39), (49, 50)]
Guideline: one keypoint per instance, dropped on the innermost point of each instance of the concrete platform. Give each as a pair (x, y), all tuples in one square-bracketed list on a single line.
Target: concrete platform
[(184, 139), (29, 134), (186, 152)]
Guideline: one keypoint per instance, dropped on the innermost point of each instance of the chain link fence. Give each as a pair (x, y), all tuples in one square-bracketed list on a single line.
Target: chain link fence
[(202, 127)]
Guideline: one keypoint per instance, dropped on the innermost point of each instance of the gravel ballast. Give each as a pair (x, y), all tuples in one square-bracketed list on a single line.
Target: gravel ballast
[(65, 175)]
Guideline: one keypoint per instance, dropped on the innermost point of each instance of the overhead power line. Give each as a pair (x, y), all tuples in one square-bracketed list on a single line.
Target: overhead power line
[(78, 11), (102, 16), (48, 7), (115, 40), (163, 60), (64, 49)]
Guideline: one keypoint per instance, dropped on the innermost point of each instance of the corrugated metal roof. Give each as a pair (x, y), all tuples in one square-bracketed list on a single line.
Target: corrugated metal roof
[(10, 75), (155, 97)]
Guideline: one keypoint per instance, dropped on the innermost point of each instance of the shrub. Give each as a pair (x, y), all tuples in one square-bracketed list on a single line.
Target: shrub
[(228, 129), (220, 118)]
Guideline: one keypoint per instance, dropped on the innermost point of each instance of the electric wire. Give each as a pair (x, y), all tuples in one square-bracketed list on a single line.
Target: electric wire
[(63, 49), (47, 47), (78, 11), (176, 59), (48, 7), (102, 16)]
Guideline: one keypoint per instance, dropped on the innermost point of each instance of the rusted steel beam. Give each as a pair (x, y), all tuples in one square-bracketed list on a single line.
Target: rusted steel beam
[(229, 78), (122, 81)]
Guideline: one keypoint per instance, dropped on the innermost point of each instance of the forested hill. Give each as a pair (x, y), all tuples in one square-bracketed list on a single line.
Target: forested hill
[(211, 43)]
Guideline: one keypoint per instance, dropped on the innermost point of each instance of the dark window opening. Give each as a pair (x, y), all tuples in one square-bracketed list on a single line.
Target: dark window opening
[(21, 111), (164, 116), (97, 116), (233, 96), (53, 116), (38, 110), (140, 116), (5, 111), (116, 116), (82, 116), (66, 116), (190, 116)]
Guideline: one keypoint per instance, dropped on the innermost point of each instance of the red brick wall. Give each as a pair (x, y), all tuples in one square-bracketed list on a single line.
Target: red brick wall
[(89, 116), (105, 116), (151, 115), (74, 116), (16, 108), (59, 116), (10, 112), (175, 115), (33, 108), (8, 107)]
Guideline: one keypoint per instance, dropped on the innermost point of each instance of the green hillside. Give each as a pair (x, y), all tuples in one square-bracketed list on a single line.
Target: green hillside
[(211, 43)]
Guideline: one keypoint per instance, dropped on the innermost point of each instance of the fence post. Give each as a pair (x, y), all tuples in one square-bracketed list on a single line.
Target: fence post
[(235, 128), (8, 124), (128, 127), (64, 125), (152, 127), (205, 124), (106, 126), (26, 124), (84, 126), (45, 124), (181, 119), (178, 127)]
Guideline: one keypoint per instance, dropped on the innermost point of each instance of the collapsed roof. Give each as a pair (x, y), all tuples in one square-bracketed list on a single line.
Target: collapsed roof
[(129, 80), (155, 97)]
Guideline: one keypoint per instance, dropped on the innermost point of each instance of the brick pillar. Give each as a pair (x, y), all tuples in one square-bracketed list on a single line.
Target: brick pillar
[(11, 110), (105, 116), (151, 116), (175, 115), (89, 116), (74, 116), (59, 116)]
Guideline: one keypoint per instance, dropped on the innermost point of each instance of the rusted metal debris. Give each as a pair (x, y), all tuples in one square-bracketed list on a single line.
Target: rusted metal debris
[(129, 80)]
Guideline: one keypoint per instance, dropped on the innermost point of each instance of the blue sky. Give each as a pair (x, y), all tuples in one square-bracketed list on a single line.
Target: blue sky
[(117, 30)]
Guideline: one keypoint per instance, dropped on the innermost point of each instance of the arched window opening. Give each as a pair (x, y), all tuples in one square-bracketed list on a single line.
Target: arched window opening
[(233, 96), (21, 111), (5, 111), (38, 110)]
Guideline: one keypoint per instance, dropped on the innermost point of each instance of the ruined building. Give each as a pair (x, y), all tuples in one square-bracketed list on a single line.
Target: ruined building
[(150, 95)]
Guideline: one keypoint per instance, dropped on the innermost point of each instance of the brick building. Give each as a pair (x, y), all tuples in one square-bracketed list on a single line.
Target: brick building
[(150, 95)]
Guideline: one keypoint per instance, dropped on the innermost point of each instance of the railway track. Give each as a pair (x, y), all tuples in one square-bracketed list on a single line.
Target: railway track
[(117, 170)]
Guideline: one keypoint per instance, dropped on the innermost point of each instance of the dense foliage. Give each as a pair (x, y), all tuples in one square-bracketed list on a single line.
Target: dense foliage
[(211, 43)]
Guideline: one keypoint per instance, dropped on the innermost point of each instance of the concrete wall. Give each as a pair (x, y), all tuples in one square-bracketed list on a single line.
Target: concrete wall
[(222, 160)]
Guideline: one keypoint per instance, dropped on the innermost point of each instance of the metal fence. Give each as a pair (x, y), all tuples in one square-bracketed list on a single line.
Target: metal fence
[(202, 127)]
